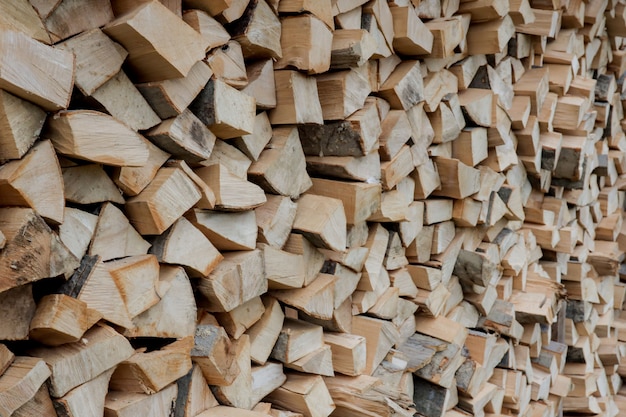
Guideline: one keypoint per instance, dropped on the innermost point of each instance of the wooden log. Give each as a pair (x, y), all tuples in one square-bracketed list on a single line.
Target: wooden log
[(145, 371), (101, 342), (194, 395), (265, 332), (132, 180), (21, 381), (199, 259), (40, 405), (261, 83), (306, 44), (351, 48), (214, 354), (89, 184), (243, 270), (272, 173), (258, 31), (126, 404), (253, 144), (283, 270), (333, 88), (296, 340), (51, 89), (321, 220), (226, 231), (113, 226), (150, 58), (313, 258), (239, 394), (316, 300), (45, 195), (170, 184), (22, 122), (404, 87), (19, 308), (213, 33), (490, 37), (379, 336), (232, 193), (70, 18), (71, 133), (93, 392), (411, 36), (457, 179), (227, 64), (174, 316), (16, 223), (60, 319), (304, 394)]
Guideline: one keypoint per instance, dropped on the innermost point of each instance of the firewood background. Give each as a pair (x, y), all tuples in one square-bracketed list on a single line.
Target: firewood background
[(281, 208)]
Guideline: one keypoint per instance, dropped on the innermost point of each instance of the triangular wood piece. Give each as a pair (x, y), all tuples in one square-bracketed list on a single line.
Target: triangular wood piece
[(239, 393), (258, 31), (96, 137), (275, 219), (126, 404), (40, 405), (20, 125), (132, 180), (114, 237), (71, 18), (17, 306), (88, 184), (21, 382), (227, 231), (87, 399), (34, 181), (175, 315), (137, 278), (322, 220), (61, 319), (183, 244), (194, 394), (77, 230), (102, 347), (231, 192), (211, 30)]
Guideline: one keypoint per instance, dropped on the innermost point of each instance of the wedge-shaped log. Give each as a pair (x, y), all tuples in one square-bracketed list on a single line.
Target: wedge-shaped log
[(86, 399), (17, 306), (360, 200), (71, 18), (275, 219), (214, 354), (226, 231), (72, 134), (457, 179), (342, 93), (239, 394), (261, 83), (27, 233), (136, 277), (306, 44), (380, 336), (265, 379), (351, 48), (102, 347), (258, 31), (348, 352), (171, 247), (404, 88), (174, 316), (281, 168), (265, 332), (51, 89), (296, 340), (237, 279), (151, 56), (20, 125), (322, 220), (150, 372), (239, 319), (231, 192), (98, 59), (77, 230), (170, 194), (356, 136), (297, 99), (89, 184), (23, 17), (114, 237), (34, 181), (318, 362), (60, 319), (128, 404), (228, 65), (194, 394), (306, 394), (490, 37), (253, 144), (227, 112), (132, 180), (284, 270), (316, 299), (411, 36), (121, 99), (20, 382)]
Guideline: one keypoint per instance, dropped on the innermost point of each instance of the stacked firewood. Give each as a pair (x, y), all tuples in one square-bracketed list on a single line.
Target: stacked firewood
[(255, 208)]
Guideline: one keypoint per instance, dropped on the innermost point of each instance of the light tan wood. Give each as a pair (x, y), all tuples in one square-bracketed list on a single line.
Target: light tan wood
[(88, 184), (231, 192), (56, 259), (348, 351), (18, 306), (404, 87), (253, 144), (259, 32), (101, 341), (239, 393), (21, 16), (342, 93), (21, 381), (195, 392), (126, 404), (265, 332), (274, 220), (265, 379), (351, 48), (229, 116), (490, 37), (93, 392), (227, 64), (174, 315), (297, 99), (214, 355), (148, 56), (34, 181), (240, 269), (226, 231), (50, 89), (132, 180), (61, 319), (315, 300), (379, 336), (71, 133), (283, 270), (261, 83), (411, 36), (113, 226), (313, 258), (322, 220), (150, 372), (21, 123), (70, 18), (136, 277), (304, 394), (306, 44), (170, 184), (40, 405), (238, 320)]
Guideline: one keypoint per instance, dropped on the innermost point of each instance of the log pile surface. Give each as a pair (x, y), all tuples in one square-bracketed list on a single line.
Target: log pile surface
[(306, 208)]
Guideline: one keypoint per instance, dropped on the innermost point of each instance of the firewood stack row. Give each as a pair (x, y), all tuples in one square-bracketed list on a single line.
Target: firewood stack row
[(281, 208)]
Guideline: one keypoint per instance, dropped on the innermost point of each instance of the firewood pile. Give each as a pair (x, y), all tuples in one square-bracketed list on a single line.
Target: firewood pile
[(284, 208)]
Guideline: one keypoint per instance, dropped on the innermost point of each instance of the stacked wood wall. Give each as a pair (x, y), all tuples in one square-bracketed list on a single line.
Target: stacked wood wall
[(307, 208)]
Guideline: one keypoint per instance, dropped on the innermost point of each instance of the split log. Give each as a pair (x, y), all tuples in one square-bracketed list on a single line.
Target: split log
[(149, 57), (127, 404), (321, 220), (70, 18), (226, 231), (93, 393), (258, 31), (297, 99), (304, 394), (306, 44), (21, 124), (20, 382)]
